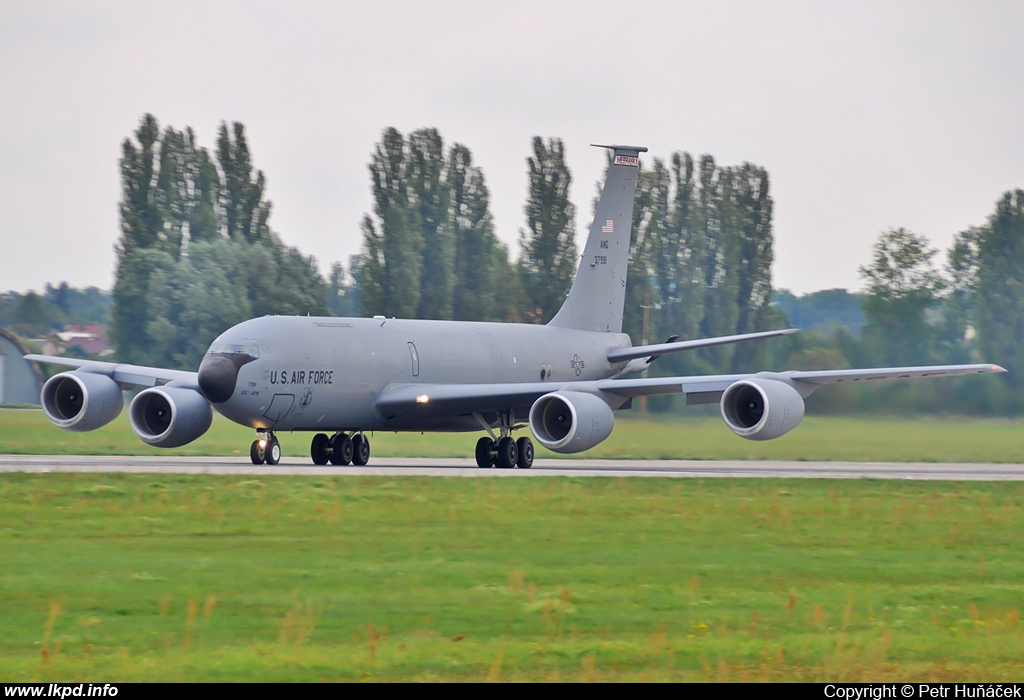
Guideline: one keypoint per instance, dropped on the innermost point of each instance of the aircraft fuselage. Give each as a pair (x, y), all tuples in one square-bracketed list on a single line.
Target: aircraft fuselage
[(325, 373)]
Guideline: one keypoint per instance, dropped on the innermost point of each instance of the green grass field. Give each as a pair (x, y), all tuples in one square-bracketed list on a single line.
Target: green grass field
[(676, 437), (192, 578), (156, 577)]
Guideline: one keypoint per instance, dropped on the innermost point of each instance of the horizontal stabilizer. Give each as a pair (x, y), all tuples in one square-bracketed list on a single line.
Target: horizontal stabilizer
[(632, 353)]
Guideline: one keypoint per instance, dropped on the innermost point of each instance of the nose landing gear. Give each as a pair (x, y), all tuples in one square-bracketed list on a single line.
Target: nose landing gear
[(265, 448)]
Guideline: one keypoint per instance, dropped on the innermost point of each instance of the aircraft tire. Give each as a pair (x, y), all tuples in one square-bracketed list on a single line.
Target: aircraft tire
[(507, 453), (360, 450), (341, 450), (318, 449), (255, 453), (485, 453), (524, 446), (273, 452)]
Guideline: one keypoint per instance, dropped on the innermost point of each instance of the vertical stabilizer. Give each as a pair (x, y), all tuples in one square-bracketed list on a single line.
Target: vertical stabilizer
[(599, 290)]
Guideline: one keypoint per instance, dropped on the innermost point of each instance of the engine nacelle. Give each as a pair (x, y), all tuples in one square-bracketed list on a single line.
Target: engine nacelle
[(570, 421), (761, 409), (170, 416), (81, 401)]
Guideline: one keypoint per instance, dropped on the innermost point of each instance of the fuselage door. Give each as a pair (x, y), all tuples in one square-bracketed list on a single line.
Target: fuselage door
[(279, 407), (415, 356)]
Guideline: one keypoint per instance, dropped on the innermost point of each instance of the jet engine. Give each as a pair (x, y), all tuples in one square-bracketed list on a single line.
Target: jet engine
[(81, 401), (570, 421), (761, 409), (170, 416)]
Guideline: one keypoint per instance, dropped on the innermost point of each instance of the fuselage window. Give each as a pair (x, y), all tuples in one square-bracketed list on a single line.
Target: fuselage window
[(415, 359)]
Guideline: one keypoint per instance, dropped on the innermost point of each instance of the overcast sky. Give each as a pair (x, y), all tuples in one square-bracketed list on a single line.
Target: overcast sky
[(867, 115)]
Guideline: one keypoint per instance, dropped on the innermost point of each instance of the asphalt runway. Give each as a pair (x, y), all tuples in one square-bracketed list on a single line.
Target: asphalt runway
[(542, 467)]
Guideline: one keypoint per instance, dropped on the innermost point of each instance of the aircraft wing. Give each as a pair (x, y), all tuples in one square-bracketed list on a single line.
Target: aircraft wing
[(412, 399), (125, 375), (708, 389)]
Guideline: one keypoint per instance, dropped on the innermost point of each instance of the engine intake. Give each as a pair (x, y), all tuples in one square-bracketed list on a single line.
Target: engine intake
[(570, 421), (170, 416), (761, 409), (81, 401)]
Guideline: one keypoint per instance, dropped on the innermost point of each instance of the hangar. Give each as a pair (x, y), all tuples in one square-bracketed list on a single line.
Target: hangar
[(20, 381)]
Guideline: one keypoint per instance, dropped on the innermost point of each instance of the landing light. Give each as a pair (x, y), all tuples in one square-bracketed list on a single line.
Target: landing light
[(422, 398), (263, 443)]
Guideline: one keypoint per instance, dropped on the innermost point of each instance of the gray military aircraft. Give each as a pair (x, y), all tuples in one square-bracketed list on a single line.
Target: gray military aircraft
[(349, 376)]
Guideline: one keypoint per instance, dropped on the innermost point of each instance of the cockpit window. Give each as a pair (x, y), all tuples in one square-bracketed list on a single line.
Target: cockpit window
[(243, 348)]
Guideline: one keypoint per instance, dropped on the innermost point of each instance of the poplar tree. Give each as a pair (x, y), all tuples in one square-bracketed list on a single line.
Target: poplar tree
[(1000, 289), (681, 256), (678, 256), (390, 266), (245, 213), (428, 199), (482, 284), (717, 218), (548, 257), (140, 218), (753, 230), (650, 220)]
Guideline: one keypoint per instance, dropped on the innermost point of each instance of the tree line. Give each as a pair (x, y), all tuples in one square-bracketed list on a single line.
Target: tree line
[(968, 309), (33, 315)]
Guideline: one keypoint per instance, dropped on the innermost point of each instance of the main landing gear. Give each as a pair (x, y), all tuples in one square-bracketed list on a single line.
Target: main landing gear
[(265, 448), (506, 453), (340, 449), (503, 452)]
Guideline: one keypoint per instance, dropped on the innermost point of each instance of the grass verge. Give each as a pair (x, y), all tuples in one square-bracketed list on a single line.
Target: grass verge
[(144, 577)]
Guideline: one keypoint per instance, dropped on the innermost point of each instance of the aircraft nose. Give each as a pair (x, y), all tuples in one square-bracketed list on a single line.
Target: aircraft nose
[(218, 374)]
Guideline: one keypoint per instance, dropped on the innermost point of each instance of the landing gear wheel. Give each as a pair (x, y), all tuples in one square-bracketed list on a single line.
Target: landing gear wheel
[(318, 449), (273, 451), (360, 450), (256, 453), (525, 447), (507, 453), (485, 453), (341, 450)]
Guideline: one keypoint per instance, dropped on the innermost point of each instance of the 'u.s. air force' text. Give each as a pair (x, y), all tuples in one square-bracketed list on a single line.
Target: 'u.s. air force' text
[(302, 376)]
